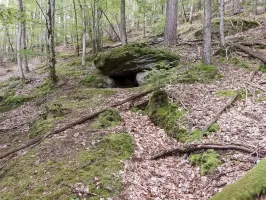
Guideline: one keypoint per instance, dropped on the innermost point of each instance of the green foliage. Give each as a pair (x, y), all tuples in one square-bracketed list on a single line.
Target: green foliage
[(163, 113), (158, 77), (158, 26), (30, 177), (208, 161), (40, 127), (240, 62), (199, 73), (109, 118), (226, 93), (263, 69), (44, 89), (250, 186), (214, 128), (93, 80)]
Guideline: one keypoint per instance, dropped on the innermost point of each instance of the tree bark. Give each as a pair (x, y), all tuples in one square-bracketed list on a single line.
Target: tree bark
[(170, 31), (19, 40), (222, 38), (255, 10), (236, 7), (123, 22), (206, 58), (76, 28), (50, 40)]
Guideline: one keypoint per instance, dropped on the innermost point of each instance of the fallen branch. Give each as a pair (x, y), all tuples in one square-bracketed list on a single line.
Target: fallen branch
[(199, 147), (220, 112), (251, 52), (256, 86), (233, 98), (81, 120)]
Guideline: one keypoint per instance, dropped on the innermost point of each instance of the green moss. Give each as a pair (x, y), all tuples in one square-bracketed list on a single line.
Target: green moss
[(208, 161), (214, 128), (56, 110), (163, 113), (15, 100), (42, 90), (41, 126), (83, 98), (109, 118), (250, 186), (240, 62), (28, 177), (199, 73), (95, 80), (107, 62), (226, 93), (263, 69)]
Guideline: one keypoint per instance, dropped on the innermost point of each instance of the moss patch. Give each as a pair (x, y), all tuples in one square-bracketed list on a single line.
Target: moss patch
[(26, 177), (199, 73), (208, 161), (250, 186), (163, 113), (41, 127), (109, 118)]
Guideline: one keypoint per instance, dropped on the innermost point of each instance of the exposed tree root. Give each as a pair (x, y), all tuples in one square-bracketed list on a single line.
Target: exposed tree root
[(199, 147), (81, 120)]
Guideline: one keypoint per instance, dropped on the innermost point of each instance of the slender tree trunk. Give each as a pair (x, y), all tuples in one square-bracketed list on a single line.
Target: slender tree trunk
[(19, 39), (184, 11), (222, 39), (206, 57), (255, 7), (76, 28), (65, 25), (170, 32), (26, 65), (123, 22), (50, 40), (191, 12), (41, 28), (236, 7), (199, 5)]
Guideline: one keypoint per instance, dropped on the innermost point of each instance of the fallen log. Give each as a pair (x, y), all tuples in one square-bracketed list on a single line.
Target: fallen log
[(81, 120), (198, 147), (251, 52), (250, 186)]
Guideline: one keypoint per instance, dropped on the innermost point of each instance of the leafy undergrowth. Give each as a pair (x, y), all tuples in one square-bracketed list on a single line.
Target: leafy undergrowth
[(207, 161), (109, 118), (250, 186), (97, 168)]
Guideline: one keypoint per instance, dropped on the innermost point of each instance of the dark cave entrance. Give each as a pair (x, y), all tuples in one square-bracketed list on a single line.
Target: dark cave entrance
[(127, 81)]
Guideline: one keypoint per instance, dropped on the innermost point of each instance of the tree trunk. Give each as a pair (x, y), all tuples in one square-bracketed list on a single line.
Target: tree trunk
[(206, 57), (76, 28), (50, 40), (26, 66), (65, 25), (236, 6), (19, 39), (123, 22), (191, 12), (199, 5), (170, 31), (255, 7), (222, 39)]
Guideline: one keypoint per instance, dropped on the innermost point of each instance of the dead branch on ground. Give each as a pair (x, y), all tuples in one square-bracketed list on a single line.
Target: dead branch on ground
[(81, 120), (199, 147)]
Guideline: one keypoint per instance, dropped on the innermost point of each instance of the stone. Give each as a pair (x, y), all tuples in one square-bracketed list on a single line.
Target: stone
[(131, 59), (141, 77)]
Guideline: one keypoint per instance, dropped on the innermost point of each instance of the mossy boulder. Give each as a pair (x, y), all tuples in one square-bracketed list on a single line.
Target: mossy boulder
[(208, 161), (250, 186), (163, 113), (97, 80), (132, 59), (232, 26), (109, 118)]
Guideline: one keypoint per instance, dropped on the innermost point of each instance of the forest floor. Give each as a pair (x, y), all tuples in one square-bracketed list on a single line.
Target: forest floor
[(84, 162)]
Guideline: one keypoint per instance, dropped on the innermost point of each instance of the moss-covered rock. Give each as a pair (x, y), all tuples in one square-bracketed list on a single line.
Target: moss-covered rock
[(133, 58), (163, 113), (97, 80), (232, 25), (208, 161), (250, 186), (109, 118)]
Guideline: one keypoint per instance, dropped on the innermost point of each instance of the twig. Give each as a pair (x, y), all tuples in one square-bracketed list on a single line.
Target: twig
[(256, 86), (81, 120), (199, 147)]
